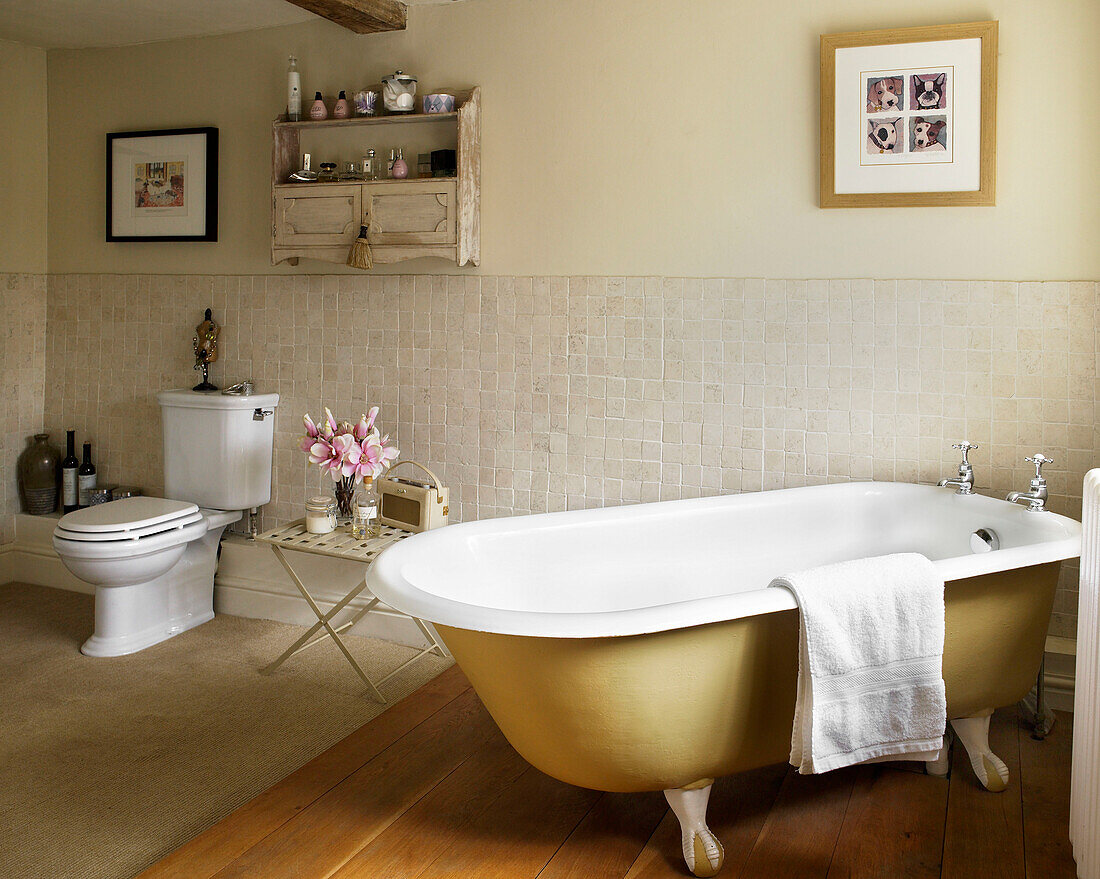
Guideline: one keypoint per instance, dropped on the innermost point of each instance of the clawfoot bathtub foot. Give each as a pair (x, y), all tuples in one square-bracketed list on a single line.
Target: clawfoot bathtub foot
[(702, 850), (973, 732), (940, 765)]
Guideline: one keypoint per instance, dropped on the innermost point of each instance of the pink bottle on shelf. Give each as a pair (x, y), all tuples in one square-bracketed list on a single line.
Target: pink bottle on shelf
[(318, 110), (400, 166), (341, 110)]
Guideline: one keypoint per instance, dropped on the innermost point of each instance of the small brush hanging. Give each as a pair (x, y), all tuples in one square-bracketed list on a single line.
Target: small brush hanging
[(359, 257)]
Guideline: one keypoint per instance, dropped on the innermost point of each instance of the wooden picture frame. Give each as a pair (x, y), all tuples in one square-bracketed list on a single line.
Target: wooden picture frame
[(162, 185), (912, 121)]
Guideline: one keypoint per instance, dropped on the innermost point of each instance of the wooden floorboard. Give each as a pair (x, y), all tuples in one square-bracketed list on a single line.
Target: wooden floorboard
[(431, 790), (328, 833), (800, 834), (893, 826), (227, 840), (609, 839), (518, 833), (983, 835), (1045, 782), (429, 829)]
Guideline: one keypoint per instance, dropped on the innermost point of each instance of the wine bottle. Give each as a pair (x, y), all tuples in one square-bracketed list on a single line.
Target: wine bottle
[(86, 478), (68, 474)]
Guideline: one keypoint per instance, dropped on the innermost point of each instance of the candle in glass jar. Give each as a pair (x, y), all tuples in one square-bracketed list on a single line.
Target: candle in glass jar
[(321, 515)]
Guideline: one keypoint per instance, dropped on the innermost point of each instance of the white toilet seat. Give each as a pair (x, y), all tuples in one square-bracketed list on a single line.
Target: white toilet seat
[(121, 547), (128, 528), (128, 518)]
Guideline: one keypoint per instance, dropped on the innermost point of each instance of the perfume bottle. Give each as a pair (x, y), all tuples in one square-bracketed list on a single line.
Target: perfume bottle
[(293, 92), (318, 111), (389, 165), (400, 167), (370, 166), (341, 110)]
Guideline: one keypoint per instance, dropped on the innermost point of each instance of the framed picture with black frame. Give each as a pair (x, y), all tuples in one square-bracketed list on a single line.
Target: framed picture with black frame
[(162, 185)]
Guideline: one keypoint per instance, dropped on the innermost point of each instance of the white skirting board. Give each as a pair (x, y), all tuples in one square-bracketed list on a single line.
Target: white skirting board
[(250, 582)]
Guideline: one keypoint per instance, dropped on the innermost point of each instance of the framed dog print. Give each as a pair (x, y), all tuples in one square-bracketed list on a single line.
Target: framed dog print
[(908, 117), (162, 185)]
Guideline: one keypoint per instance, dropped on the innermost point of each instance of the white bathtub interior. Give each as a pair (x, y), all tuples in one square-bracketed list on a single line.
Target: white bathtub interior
[(669, 558)]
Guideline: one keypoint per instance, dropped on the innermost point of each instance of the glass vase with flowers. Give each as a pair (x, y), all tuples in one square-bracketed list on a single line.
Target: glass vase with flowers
[(348, 453)]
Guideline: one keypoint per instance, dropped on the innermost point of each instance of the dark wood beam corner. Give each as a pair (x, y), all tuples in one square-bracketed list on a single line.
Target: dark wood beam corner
[(359, 16)]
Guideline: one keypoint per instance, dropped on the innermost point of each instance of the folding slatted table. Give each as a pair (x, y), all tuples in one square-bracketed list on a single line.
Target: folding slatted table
[(340, 544)]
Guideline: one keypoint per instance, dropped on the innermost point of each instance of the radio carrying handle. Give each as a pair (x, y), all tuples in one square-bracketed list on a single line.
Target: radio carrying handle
[(435, 479)]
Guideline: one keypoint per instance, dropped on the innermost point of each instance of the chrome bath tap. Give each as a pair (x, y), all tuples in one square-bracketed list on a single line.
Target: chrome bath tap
[(1036, 495), (964, 482)]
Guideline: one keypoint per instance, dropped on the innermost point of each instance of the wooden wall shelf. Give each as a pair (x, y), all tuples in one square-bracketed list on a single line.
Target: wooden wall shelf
[(406, 219), (394, 119)]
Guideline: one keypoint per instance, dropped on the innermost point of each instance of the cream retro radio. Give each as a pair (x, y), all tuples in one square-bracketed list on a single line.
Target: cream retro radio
[(412, 504)]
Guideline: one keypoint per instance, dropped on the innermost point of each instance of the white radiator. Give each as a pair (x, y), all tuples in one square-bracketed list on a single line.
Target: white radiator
[(1084, 810)]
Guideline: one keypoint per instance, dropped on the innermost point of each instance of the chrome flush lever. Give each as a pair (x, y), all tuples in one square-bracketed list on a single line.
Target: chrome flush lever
[(261, 414)]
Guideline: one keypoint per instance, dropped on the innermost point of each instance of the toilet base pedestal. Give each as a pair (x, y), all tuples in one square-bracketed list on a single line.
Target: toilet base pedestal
[(131, 618)]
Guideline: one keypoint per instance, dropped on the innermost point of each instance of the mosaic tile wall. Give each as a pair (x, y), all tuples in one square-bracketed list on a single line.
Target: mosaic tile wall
[(22, 379), (533, 394)]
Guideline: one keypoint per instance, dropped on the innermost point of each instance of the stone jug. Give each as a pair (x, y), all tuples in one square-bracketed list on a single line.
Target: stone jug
[(39, 468)]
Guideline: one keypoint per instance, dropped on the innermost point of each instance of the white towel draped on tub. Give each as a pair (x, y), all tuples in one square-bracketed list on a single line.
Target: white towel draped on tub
[(870, 661)]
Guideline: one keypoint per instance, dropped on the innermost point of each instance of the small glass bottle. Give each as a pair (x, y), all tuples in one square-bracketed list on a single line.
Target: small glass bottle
[(364, 520), (390, 163), (370, 165), (318, 111), (293, 91)]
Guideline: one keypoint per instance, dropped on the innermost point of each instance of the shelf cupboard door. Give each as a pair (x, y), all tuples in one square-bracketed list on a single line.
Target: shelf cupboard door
[(317, 214), (414, 212)]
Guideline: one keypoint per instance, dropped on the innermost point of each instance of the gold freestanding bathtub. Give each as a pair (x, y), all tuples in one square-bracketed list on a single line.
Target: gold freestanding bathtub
[(637, 648)]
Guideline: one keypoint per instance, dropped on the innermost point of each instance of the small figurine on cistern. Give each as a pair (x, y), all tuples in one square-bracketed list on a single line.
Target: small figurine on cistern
[(205, 344)]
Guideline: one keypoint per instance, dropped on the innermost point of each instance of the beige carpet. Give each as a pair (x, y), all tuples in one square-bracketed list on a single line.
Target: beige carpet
[(107, 765)]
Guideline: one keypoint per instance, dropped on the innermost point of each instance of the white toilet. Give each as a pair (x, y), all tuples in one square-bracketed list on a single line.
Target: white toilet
[(152, 560)]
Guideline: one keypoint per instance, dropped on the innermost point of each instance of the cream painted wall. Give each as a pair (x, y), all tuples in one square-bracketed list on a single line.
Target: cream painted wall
[(625, 137), (23, 191)]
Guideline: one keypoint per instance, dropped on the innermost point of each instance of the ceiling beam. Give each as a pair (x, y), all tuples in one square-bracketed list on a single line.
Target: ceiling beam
[(359, 16)]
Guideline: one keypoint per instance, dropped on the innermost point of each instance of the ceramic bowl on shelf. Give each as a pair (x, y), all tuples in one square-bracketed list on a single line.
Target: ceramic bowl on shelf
[(439, 103)]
